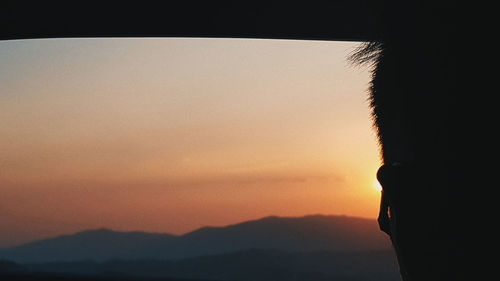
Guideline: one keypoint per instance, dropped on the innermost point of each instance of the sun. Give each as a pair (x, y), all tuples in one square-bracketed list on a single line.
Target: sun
[(377, 185)]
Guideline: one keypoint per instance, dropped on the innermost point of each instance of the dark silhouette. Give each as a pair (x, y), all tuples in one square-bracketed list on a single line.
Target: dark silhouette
[(414, 52), (410, 92), (251, 265), (273, 248), (302, 234)]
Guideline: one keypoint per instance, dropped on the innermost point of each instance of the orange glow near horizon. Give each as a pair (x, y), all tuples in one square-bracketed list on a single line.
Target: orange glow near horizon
[(169, 135), (377, 185)]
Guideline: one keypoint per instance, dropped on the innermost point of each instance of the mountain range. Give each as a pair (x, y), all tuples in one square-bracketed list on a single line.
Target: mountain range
[(313, 233)]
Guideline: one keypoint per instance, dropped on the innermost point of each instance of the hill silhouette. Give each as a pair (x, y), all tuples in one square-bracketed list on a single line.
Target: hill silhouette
[(299, 234), (251, 265)]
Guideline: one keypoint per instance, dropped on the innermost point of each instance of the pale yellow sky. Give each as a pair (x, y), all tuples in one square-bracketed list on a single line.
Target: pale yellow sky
[(169, 135)]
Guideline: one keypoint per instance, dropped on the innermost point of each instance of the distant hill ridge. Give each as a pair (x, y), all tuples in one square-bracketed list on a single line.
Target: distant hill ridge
[(303, 234)]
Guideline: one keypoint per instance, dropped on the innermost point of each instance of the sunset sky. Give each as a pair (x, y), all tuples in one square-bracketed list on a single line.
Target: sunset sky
[(168, 135)]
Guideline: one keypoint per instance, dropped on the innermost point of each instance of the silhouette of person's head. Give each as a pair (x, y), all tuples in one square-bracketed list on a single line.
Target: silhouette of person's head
[(413, 74)]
